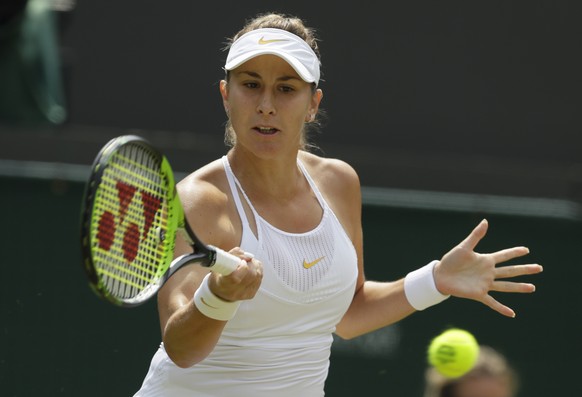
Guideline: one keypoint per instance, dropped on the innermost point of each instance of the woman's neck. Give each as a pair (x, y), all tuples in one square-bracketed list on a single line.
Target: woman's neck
[(278, 178)]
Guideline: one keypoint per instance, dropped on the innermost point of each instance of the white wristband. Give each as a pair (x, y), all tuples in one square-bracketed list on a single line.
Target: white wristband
[(420, 288), (211, 305)]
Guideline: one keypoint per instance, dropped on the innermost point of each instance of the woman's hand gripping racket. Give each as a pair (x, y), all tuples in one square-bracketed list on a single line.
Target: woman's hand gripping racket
[(131, 213)]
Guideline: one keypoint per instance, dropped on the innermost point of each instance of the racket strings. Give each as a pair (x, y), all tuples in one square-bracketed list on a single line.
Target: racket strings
[(130, 216)]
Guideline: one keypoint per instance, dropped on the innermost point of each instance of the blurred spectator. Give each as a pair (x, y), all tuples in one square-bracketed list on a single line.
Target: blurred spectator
[(492, 376), (31, 84)]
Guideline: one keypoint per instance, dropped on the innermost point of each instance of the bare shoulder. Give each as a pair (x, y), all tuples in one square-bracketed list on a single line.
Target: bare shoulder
[(339, 184), (205, 197), (202, 185), (331, 173)]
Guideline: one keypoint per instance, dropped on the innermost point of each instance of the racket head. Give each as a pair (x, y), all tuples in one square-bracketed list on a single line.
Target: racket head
[(130, 213)]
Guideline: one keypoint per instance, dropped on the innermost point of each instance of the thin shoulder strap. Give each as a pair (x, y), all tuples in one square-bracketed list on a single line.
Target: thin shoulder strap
[(235, 187), (311, 182)]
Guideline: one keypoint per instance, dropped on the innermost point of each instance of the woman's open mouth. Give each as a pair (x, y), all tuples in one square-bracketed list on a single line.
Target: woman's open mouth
[(266, 130)]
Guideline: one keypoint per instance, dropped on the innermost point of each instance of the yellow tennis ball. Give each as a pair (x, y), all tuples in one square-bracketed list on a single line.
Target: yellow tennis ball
[(453, 353)]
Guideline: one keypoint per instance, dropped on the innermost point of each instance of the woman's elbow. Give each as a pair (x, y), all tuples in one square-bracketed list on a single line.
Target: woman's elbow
[(184, 359), (345, 333)]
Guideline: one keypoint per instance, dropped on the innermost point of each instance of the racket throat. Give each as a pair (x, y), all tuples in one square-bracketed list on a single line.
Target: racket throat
[(187, 259), (185, 233)]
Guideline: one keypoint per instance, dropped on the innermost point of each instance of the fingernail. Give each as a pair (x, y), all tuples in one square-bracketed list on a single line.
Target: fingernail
[(249, 255)]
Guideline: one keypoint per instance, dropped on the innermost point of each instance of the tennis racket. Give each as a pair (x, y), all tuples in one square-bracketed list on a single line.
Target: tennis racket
[(131, 214)]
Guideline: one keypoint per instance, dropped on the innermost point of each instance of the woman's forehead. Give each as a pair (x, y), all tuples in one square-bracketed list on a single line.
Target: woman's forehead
[(266, 66)]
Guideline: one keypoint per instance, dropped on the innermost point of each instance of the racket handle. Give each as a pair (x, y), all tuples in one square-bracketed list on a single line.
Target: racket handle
[(224, 262)]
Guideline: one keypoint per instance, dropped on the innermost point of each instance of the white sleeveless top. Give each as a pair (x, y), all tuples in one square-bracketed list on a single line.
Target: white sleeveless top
[(278, 344)]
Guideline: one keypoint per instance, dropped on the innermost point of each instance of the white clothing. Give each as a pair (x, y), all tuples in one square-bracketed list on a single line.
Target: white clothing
[(278, 344)]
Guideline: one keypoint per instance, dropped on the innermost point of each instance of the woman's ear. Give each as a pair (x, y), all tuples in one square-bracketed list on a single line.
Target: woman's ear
[(224, 93), (316, 100)]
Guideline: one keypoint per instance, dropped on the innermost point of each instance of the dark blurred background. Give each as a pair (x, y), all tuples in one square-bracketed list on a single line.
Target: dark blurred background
[(450, 111)]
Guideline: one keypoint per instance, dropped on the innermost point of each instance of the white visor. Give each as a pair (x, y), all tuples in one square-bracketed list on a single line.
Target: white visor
[(281, 43)]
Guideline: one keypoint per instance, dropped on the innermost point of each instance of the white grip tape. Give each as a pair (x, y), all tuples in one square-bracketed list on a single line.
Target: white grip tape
[(225, 262), (420, 288), (211, 305)]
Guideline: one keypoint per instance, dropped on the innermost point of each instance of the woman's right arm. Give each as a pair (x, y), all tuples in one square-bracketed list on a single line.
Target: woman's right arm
[(188, 334)]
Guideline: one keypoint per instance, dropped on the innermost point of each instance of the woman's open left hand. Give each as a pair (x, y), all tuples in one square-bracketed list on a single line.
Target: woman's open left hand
[(464, 273)]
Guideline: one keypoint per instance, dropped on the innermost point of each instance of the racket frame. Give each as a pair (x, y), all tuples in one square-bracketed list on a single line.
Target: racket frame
[(205, 255)]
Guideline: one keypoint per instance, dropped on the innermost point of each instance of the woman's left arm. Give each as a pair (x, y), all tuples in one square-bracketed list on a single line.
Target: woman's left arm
[(462, 272)]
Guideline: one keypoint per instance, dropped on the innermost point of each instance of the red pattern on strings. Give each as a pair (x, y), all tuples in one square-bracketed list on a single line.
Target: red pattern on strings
[(106, 230), (131, 238), (130, 242), (151, 205), (125, 193)]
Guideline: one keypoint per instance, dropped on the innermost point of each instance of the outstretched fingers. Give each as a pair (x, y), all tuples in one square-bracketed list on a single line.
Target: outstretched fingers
[(475, 236), (514, 271), (510, 286), (509, 253), (464, 273), (517, 270), (498, 306)]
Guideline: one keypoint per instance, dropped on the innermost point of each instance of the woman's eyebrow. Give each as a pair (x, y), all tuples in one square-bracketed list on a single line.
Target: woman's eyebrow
[(250, 73)]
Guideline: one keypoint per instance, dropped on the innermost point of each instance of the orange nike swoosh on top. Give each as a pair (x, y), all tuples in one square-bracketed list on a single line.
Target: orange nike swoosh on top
[(263, 41), (307, 265)]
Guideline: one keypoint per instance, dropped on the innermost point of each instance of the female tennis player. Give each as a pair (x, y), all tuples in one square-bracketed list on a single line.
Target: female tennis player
[(266, 329)]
